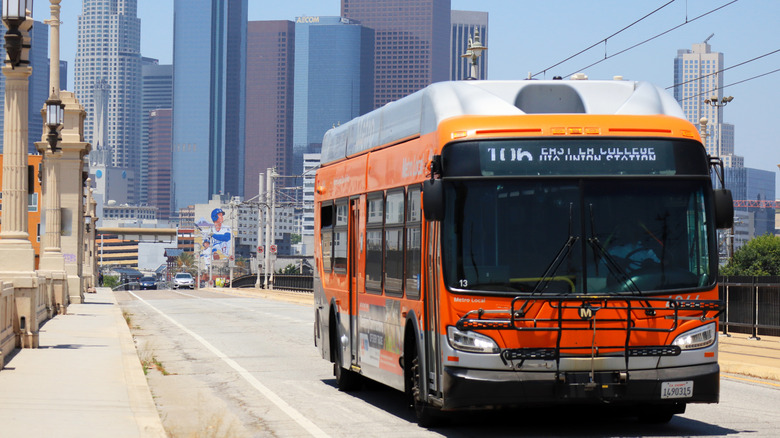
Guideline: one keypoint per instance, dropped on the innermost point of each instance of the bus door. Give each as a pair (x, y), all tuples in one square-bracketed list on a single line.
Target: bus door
[(354, 249), (431, 307)]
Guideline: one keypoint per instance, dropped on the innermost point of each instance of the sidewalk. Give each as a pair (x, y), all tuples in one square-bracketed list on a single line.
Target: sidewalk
[(738, 354), (85, 380)]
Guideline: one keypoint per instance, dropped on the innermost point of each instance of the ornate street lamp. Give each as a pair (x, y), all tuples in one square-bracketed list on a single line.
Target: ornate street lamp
[(473, 52), (14, 14), (54, 117)]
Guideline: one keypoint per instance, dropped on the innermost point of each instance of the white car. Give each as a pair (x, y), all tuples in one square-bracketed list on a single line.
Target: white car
[(183, 279)]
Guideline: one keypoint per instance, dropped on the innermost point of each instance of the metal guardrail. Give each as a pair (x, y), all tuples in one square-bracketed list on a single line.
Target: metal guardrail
[(752, 305), (302, 283)]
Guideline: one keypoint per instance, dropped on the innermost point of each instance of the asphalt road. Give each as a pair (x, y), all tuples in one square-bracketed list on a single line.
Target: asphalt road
[(224, 365)]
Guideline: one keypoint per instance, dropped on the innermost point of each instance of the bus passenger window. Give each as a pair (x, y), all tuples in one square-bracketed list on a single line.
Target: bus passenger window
[(374, 243), (326, 236), (340, 237), (394, 243), (413, 243)]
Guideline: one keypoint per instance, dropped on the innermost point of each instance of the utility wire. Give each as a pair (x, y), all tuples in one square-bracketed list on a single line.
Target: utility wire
[(725, 69), (733, 83), (604, 40), (654, 37)]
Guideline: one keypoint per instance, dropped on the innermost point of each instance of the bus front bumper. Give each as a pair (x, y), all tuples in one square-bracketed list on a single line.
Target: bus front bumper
[(472, 388)]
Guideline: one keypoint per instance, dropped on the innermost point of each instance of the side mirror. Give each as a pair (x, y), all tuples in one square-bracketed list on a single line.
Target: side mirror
[(433, 200), (724, 208)]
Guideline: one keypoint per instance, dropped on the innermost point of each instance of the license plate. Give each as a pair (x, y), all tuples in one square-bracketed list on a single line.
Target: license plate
[(677, 389)]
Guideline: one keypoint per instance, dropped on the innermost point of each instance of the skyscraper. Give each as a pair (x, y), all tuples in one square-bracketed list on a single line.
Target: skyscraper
[(698, 76), (107, 81), (334, 78), (159, 154), (412, 43), (157, 93), (269, 71), (465, 24), (209, 92)]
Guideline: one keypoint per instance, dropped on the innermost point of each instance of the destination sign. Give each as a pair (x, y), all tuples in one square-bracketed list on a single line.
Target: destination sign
[(575, 157)]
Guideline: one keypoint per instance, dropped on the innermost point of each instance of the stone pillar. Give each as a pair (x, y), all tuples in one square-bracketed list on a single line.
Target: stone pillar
[(52, 262), (89, 274), (17, 257), (71, 185)]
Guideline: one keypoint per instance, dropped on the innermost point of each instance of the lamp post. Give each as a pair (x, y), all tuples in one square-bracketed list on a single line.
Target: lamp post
[(473, 52), (17, 258), (718, 104)]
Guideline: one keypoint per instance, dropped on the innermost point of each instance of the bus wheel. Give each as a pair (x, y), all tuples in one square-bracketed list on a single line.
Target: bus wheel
[(346, 380), (427, 415)]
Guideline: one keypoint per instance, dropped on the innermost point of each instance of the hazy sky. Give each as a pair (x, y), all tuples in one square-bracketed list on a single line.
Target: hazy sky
[(531, 36)]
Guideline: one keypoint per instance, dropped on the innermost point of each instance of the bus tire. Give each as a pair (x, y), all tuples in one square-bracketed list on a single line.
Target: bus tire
[(346, 380), (427, 415)]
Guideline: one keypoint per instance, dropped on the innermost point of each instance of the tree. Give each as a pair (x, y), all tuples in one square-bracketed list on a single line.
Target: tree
[(290, 269), (186, 262), (759, 256)]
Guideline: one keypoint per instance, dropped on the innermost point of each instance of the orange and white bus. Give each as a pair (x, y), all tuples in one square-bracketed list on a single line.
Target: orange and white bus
[(482, 244)]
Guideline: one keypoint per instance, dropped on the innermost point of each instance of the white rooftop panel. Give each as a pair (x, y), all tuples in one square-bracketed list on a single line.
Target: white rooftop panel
[(421, 112)]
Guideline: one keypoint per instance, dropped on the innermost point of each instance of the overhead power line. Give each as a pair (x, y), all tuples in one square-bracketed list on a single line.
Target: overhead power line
[(653, 37), (725, 69), (604, 41), (710, 92)]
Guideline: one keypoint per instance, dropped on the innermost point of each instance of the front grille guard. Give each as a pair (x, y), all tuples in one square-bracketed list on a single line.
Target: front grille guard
[(586, 309)]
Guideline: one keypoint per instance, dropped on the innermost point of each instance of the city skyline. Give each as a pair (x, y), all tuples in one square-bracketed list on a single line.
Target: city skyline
[(743, 31)]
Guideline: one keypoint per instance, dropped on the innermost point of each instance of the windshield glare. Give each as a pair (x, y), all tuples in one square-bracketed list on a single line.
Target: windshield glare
[(577, 236)]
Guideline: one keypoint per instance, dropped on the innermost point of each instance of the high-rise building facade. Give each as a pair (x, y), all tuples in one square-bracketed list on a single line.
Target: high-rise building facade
[(160, 160), (748, 184), (698, 75), (209, 93), (412, 40), (38, 83), (269, 71), (107, 81), (465, 26), (334, 79), (156, 93)]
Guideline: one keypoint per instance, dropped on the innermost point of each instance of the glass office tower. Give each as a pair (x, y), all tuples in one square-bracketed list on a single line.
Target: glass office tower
[(209, 83), (334, 79)]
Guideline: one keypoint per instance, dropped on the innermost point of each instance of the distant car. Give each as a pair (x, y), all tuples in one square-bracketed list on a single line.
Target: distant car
[(183, 279), (147, 283)]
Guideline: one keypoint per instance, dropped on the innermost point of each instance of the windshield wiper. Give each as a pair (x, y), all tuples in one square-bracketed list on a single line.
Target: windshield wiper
[(549, 273), (612, 265)]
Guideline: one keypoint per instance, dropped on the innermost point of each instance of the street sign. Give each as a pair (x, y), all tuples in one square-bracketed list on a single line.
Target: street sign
[(273, 249), (260, 249)]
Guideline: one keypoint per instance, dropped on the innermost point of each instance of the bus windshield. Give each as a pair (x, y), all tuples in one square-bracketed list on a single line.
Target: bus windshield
[(577, 235)]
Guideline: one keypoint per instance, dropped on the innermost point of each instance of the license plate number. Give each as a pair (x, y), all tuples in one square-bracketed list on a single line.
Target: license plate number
[(677, 389)]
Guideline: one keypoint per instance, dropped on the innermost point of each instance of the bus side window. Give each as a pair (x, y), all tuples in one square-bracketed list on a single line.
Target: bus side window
[(394, 243), (413, 243), (374, 242), (326, 226), (340, 237)]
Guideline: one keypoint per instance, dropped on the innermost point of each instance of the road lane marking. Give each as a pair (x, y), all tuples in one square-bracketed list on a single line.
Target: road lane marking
[(760, 382), (270, 395)]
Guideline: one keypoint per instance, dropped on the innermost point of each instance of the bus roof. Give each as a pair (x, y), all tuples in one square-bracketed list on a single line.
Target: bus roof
[(421, 112)]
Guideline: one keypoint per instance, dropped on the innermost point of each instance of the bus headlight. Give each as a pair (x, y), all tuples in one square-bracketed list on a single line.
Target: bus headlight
[(697, 338), (471, 341)]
